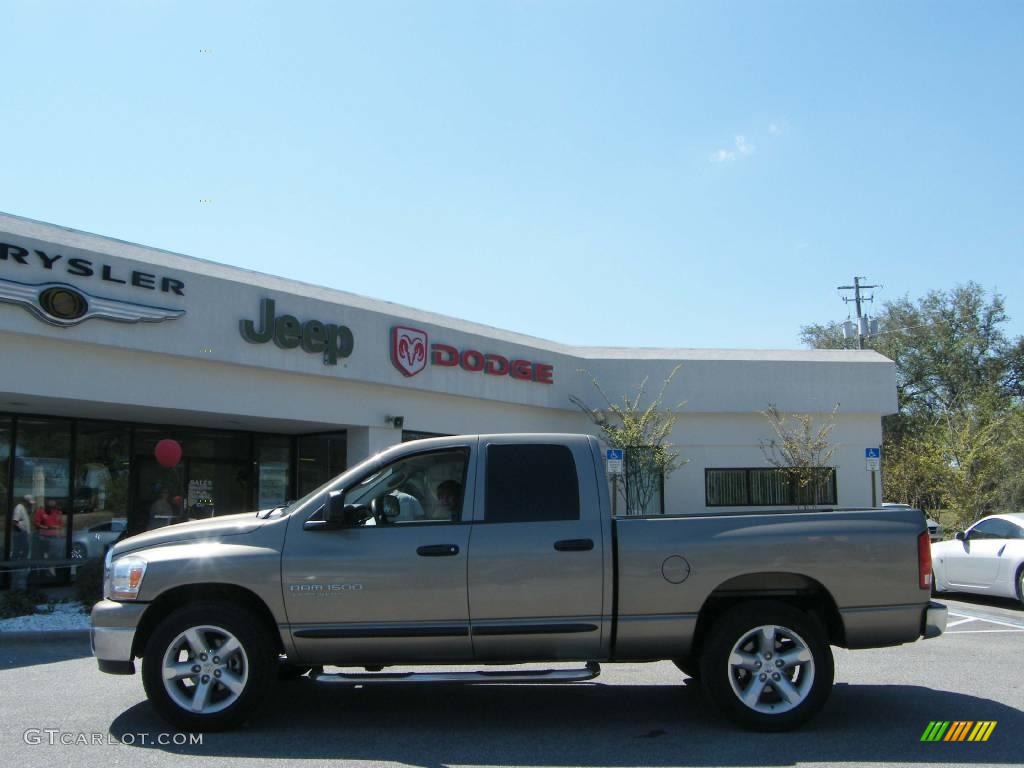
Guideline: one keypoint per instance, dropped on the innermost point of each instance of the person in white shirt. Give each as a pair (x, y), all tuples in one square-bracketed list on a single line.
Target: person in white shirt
[(21, 524)]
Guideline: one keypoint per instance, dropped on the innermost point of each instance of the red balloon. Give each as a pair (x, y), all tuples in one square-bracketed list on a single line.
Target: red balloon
[(168, 453)]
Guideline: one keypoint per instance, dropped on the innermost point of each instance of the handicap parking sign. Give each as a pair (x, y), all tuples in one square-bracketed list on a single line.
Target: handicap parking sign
[(615, 457)]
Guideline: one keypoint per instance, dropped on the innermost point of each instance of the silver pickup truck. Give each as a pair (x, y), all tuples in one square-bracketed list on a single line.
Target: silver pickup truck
[(502, 549)]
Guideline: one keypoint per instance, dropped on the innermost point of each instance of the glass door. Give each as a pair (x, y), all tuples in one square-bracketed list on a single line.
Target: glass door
[(217, 487)]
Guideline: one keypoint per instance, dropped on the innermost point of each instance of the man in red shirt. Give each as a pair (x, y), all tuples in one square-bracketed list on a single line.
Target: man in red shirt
[(49, 525)]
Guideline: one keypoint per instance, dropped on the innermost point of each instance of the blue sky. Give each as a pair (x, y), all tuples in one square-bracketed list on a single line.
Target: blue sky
[(635, 174)]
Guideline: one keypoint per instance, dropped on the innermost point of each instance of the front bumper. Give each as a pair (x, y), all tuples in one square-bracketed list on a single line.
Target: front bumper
[(935, 616), (112, 635)]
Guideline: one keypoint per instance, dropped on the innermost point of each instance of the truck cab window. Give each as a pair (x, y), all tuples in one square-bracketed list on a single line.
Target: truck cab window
[(426, 487), (531, 483)]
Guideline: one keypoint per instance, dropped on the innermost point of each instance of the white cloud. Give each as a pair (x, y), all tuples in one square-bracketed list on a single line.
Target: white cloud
[(740, 148), (775, 129)]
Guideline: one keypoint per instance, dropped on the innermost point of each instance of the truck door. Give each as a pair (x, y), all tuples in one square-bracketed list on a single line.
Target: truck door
[(392, 588), (536, 559)]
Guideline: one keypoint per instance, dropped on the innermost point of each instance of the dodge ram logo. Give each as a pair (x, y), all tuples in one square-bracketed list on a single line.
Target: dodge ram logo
[(408, 349)]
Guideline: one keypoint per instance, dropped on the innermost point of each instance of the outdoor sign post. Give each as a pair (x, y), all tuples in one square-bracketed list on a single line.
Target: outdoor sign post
[(614, 458), (873, 462)]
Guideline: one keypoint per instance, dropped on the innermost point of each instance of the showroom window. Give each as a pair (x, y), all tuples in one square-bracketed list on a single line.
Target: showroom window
[(640, 490), (101, 488), (42, 472), (320, 458), (17, 542), (760, 487), (273, 470)]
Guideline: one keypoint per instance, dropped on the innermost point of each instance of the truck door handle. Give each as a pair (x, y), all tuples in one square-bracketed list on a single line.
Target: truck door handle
[(574, 545), (437, 550)]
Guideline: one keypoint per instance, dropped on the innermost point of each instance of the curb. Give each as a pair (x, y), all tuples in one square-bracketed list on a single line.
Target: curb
[(42, 634)]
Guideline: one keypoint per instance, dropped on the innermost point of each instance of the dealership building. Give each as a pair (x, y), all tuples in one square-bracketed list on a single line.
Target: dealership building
[(271, 386)]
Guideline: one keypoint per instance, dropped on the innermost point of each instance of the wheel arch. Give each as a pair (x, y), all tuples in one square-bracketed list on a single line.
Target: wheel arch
[(794, 589), (187, 594)]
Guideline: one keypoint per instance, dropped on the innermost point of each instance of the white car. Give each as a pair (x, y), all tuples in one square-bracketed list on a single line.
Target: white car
[(986, 559), (95, 541)]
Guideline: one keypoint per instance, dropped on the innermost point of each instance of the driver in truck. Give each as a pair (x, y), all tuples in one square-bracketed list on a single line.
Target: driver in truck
[(449, 494)]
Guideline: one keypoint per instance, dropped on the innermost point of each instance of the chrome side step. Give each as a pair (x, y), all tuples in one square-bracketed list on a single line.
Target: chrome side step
[(589, 672)]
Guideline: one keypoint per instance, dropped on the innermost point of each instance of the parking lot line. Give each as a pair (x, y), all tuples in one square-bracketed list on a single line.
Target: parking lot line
[(981, 631), (989, 619), (958, 623)]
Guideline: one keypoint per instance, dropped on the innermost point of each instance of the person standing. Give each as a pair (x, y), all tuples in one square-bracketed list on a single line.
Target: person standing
[(49, 526), (21, 541)]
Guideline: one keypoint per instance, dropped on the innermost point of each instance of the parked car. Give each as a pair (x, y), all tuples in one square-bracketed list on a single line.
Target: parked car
[(934, 527), (97, 539), (986, 559)]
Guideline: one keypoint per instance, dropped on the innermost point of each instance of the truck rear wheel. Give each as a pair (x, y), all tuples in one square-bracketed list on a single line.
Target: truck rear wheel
[(208, 666), (767, 665)]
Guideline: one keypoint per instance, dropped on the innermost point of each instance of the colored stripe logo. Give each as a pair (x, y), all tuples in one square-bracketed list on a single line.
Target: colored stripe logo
[(958, 730)]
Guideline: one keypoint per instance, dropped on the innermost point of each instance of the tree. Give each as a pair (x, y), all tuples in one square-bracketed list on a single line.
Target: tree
[(642, 432), (802, 452), (949, 348), (915, 469), (982, 447), (960, 379)]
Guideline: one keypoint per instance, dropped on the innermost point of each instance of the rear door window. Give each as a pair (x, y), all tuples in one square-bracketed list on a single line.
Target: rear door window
[(531, 483)]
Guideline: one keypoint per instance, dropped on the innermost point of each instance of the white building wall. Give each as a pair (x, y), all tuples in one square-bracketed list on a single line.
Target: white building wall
[(197, 370), (733, 440)]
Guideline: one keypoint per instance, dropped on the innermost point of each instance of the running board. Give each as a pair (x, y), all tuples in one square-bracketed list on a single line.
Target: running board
[(589, 672)]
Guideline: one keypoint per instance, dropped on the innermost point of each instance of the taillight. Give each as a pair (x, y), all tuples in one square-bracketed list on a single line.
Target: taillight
[(924, 561)]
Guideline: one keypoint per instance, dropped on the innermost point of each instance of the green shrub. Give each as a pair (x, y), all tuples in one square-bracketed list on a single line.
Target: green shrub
[(19, 603), (89, 583)]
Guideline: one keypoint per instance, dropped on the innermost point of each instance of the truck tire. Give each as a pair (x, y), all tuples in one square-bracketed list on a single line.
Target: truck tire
[(767, 665), (208, 666)]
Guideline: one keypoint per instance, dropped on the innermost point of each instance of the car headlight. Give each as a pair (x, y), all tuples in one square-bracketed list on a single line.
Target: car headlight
[(125, 578)]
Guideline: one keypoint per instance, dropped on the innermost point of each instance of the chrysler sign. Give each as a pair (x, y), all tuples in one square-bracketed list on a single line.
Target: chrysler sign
[(411, 351)]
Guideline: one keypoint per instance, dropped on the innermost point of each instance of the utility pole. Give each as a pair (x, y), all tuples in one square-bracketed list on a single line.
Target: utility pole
[(857, 288)]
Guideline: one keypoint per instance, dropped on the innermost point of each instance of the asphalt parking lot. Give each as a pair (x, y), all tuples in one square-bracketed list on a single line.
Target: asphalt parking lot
[(635, 714)]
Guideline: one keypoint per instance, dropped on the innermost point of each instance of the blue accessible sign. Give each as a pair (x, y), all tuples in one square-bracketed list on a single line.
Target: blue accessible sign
[(872, 459), (615, 457)]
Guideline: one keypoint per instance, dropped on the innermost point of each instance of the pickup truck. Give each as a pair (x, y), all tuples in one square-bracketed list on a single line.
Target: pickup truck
[(498, 550)]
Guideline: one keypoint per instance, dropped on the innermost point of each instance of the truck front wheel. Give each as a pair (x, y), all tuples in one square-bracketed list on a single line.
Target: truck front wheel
[(767, 665), (207, 667)]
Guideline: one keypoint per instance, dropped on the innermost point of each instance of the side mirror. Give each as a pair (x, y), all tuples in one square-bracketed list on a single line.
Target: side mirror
[(960, 536), (336, 509)]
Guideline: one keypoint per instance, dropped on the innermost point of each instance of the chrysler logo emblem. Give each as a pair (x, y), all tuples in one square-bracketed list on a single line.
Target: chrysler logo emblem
[(64, 305)]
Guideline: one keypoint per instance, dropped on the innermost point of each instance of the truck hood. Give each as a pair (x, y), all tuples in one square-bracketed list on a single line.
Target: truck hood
[(212, 528)]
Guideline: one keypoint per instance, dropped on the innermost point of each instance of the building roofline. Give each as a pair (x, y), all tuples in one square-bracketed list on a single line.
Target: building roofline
[(75, 238)]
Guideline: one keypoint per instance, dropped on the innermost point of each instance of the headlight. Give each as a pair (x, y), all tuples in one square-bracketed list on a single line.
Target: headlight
[(126, 577)]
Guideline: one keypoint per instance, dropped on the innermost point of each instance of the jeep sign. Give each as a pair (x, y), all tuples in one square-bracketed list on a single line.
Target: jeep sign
[(288, 333)]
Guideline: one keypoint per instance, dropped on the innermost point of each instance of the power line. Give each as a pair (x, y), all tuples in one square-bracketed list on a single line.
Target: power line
[(857, 288)]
